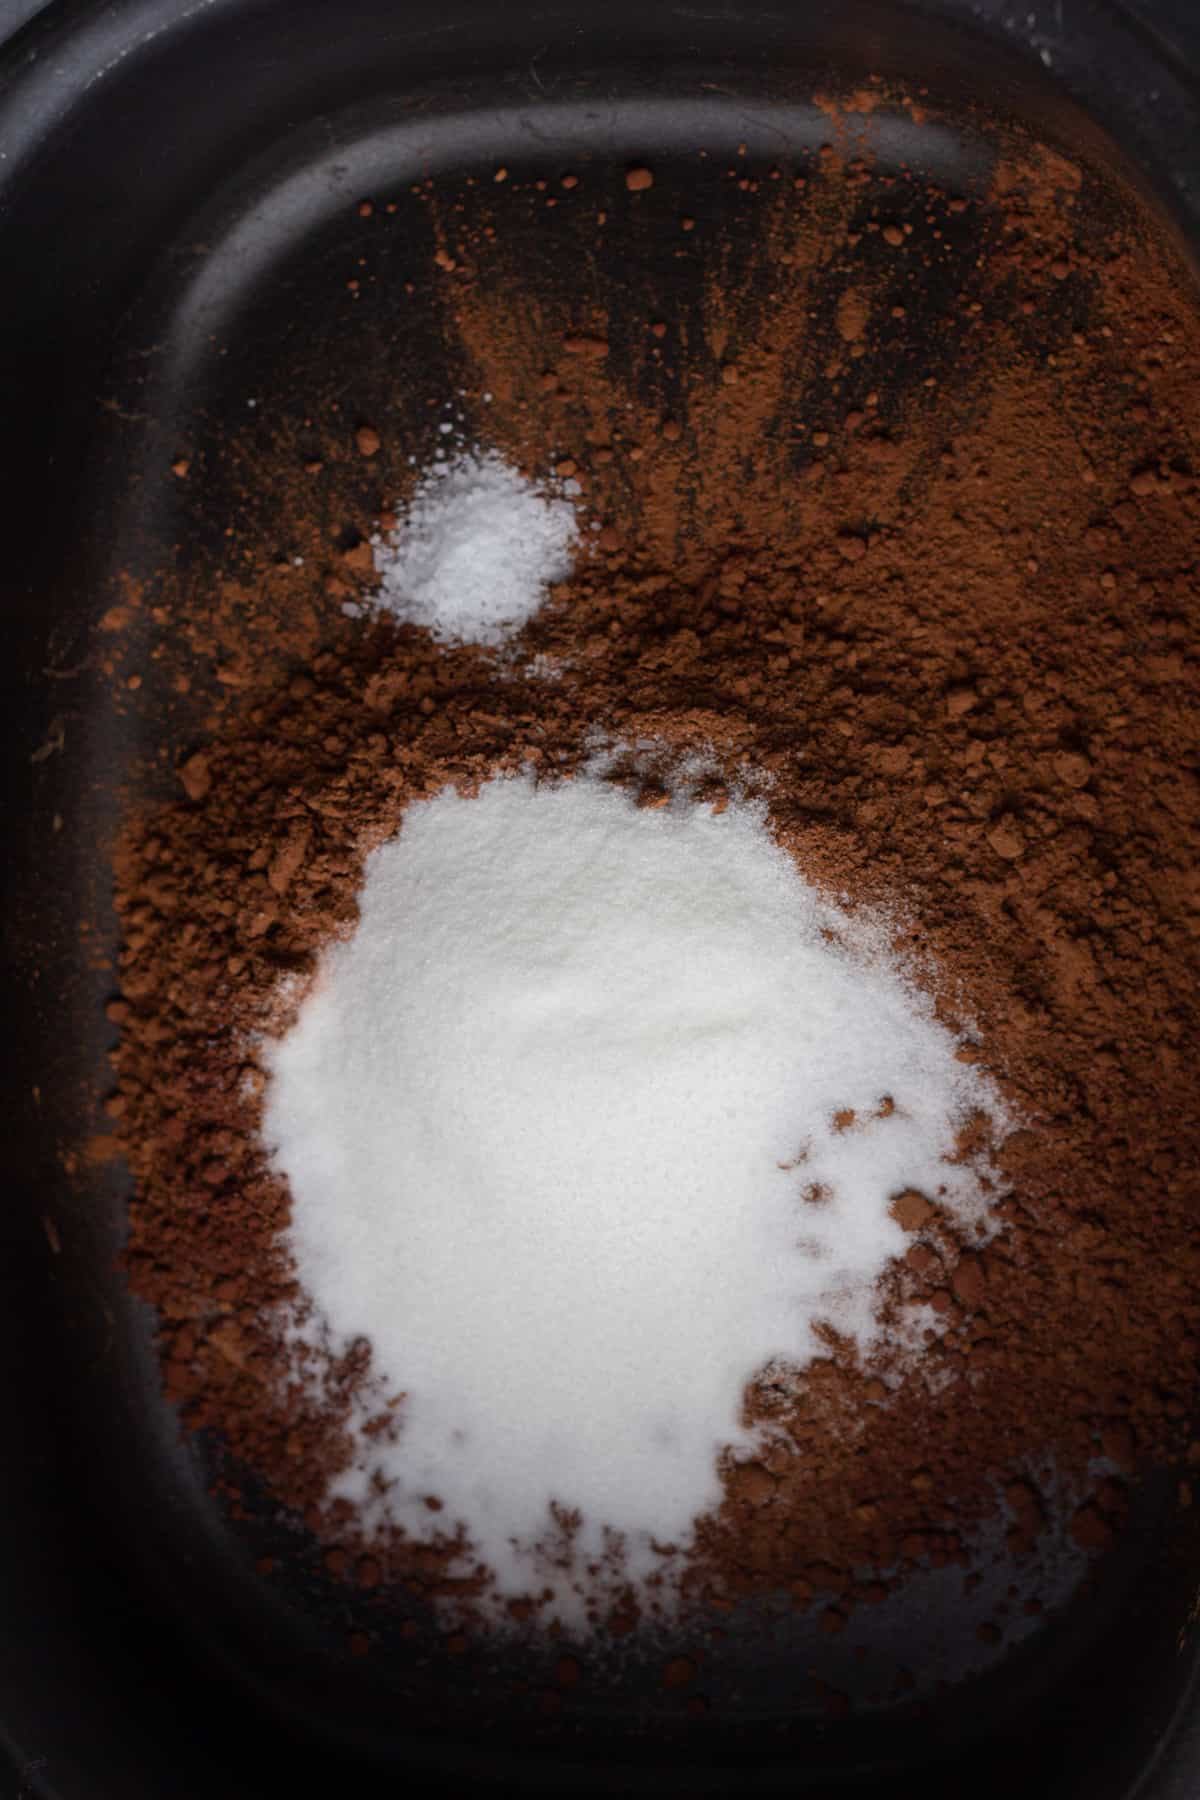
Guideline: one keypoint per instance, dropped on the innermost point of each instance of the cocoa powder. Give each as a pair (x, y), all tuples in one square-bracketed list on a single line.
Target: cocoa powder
[(943, 624)]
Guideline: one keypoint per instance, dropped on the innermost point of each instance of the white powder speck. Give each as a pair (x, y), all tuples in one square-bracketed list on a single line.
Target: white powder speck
[(475, 552), (552, 1120)]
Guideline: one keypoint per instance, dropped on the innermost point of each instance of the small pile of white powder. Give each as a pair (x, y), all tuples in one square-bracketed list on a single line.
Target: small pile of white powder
[(476, 550), (559, 1125)]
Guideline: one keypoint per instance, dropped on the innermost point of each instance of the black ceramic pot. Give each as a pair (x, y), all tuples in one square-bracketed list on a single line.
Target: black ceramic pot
[(168, 171)]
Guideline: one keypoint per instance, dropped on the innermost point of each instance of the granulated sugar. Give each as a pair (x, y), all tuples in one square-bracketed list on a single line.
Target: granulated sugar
[(476, 550), (600, 1110)]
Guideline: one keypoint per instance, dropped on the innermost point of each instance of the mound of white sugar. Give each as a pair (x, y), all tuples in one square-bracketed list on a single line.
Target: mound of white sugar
[(476, 550), (554, 1120)]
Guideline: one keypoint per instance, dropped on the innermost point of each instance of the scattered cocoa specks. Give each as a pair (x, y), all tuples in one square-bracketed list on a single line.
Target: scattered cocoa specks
[(196, 776), (360, 557), (911, 1210), (593, 348)]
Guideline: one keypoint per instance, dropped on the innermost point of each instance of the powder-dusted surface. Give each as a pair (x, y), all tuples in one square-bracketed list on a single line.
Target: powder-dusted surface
[(950, 611), (599, 1113), (476, 551)]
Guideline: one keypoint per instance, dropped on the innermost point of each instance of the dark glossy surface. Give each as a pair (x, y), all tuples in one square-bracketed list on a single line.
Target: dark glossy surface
[(138, 1654)]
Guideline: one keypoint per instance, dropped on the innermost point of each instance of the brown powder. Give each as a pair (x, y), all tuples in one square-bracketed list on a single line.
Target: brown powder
[(939, 607)]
